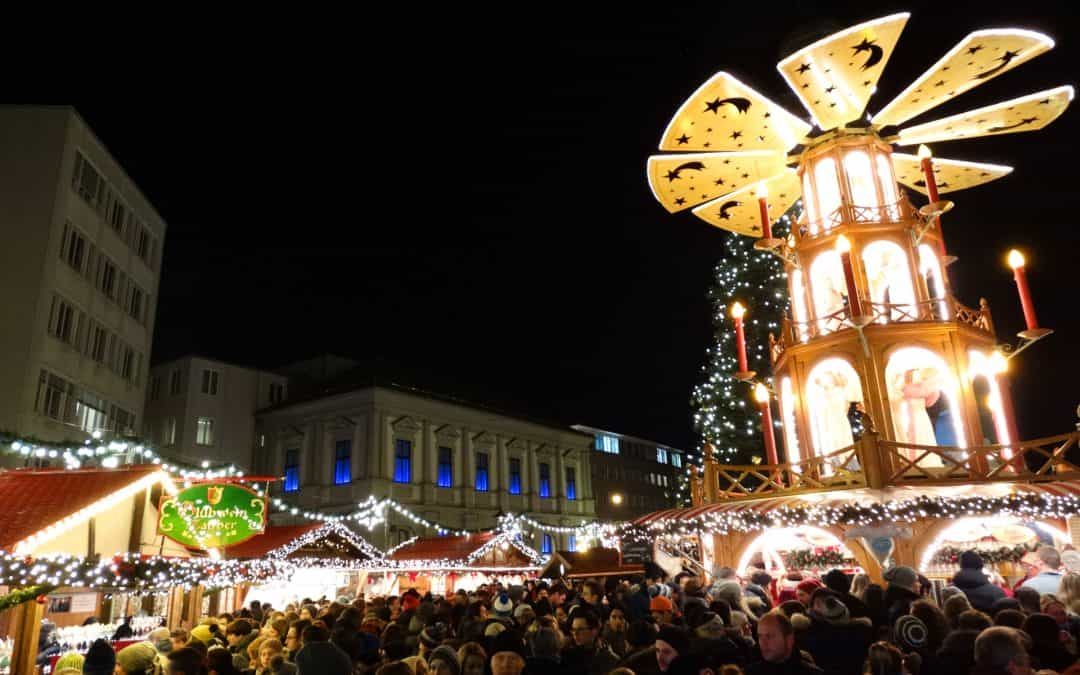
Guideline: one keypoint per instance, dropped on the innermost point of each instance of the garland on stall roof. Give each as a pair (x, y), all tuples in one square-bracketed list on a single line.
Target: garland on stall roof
[(950, 555), (816, 559), (318, 535), (21, 595), (1026, 506)]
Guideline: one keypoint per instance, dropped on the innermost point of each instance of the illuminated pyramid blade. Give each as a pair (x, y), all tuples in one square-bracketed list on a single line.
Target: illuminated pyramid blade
[(835, 76), (725, 114), (682, 181), (979, 58), (739, 211), (1027, 113), (950, 174)]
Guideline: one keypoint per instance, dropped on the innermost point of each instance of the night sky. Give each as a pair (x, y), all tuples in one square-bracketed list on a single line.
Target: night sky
[(460, 200)]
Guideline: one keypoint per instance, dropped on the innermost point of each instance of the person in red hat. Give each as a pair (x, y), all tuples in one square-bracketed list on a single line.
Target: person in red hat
[(805, 589), (662, 610)]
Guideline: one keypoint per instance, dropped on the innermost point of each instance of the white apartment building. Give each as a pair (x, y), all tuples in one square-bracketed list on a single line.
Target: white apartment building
[(200, 409), (80, 260), (448, 461)]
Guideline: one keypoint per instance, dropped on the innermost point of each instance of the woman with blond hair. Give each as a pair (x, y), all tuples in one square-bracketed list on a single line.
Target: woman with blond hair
[(859, 584), (1069, 592)]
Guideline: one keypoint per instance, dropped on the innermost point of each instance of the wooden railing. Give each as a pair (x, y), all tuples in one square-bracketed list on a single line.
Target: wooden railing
[(852, 214), (840, 469), (1042, 459), (976, 318)]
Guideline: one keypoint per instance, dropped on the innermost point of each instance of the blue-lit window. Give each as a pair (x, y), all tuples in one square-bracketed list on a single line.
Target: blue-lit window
[(676, 459), (571, 543), (608, 444), (571, 483), (515, 476), (292, 470), (545, 544), (342, 462), (446, 468), (481, 472), (545, 480), (661, 455), (402, 461)]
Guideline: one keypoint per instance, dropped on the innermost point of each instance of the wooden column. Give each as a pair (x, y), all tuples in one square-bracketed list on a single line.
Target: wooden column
[(711, 475), (174, 614), (870, 454), (27, 625), (193, 607)]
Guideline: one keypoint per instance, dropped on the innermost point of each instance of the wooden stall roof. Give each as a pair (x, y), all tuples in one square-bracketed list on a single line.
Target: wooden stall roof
[(442, 548), (595, 562)]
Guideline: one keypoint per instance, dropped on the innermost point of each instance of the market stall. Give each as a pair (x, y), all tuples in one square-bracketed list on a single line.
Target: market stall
[(595, 562)]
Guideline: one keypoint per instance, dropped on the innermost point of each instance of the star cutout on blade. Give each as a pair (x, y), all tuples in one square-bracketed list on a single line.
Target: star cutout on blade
[(718, 181), (806, 86), (768, 115), (972, 50), (1045, 101), (713, 107), (736, 134), (939, 83), (746, 175), (683, 140), (830, 89), (680, 201), (803, 68), (672, 175)]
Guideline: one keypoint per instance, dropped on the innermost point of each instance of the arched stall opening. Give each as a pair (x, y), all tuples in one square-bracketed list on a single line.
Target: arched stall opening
[(789, 552), (1000, 541)]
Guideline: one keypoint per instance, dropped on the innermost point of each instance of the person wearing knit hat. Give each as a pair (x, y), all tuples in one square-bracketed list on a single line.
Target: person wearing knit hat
[(324, 658), (712, 629), (410, 602), (69, 664), (662, 610), (100, 659), (671, 642), (444, 661), (493, 629), (805, 589), (910, 634), (432, 636), (137, 659), (901, 591), (502, 605), (524, 615), (974, 583)]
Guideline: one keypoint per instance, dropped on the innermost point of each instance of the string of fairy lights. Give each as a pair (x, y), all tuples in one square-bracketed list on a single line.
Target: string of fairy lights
[(721, 415)]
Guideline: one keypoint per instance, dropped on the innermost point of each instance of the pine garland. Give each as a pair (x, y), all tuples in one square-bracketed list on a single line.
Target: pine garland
[(21, 595), (950, 555), (816, 559)]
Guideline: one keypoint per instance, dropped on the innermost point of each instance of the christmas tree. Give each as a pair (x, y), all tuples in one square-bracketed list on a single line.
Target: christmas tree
[(725, 413)]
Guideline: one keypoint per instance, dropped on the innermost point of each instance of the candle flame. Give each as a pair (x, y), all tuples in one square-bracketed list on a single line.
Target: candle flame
[(842, 244), (737, 310), (1016, 259), (761, 393), (924, 152), (763, 190)]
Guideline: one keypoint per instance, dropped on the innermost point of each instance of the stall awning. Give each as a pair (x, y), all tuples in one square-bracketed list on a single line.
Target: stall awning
[(595, 562), (442, 548), (274, 537), (34, 499), (325, 540)]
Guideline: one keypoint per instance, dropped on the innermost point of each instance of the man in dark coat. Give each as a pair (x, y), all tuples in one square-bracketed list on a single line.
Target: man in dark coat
[(970, 579), (776, 639), (840, 583), (901, 591), (837, 643)]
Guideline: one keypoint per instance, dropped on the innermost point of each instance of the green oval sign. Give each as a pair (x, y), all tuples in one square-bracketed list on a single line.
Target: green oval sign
[(212, 515)]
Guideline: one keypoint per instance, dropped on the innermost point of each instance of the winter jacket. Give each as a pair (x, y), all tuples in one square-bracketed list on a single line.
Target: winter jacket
[(838, 647), (793, 666), (898, 602), (979, 591), (957, 654)]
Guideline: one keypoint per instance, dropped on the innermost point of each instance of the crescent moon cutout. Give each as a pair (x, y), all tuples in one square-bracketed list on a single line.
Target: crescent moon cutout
[(1005, 59), (876, 53), (688, 166), (1023, 122)]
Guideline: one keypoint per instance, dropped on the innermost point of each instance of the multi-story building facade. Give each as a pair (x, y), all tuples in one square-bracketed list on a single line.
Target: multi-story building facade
[(200, 409), (79, 268), (632, 476), (449, 462)]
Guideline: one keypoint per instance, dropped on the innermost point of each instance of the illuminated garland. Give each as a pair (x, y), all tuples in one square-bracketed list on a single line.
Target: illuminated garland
[(811, 559), (950, 555), (400, 546), (505, 539), (318, 534), (135, 573), (1028, 506), (21, 595)]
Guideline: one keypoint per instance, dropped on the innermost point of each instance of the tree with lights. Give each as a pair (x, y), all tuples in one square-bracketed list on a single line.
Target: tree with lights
[(724, 411)]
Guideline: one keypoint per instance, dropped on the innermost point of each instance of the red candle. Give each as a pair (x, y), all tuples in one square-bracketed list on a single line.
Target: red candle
[(761, 393), (1016, 262), (763, 204), (737, 312), (931, 190), (843, 247)]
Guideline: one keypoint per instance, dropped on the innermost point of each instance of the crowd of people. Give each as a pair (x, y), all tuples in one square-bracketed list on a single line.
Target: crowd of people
[(838, 624)]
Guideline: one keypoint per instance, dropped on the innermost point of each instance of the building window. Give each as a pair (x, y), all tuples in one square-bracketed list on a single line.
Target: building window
[(402, 461), (571, 543), (74, 248), (608, 444), (135, 303), (168, 432), (86, 181), (545, 544), (210, 382), (481, 472), (445, 478), (174, 382), (343, 462), (65, 323), (52, 392), (204, 431), (662, 455), (571, 483), (292, 470), (106, 277), (676, 459), (515, 476), (277, 392), (545, 480), (155, 387), (99, 339)]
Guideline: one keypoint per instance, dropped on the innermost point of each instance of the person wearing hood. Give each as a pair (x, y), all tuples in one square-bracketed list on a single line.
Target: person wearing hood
[(837, 643), (711, 638), (956, 655), (239, 635), (840, 583), (976, 586), (760, 583), (902, 591)]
